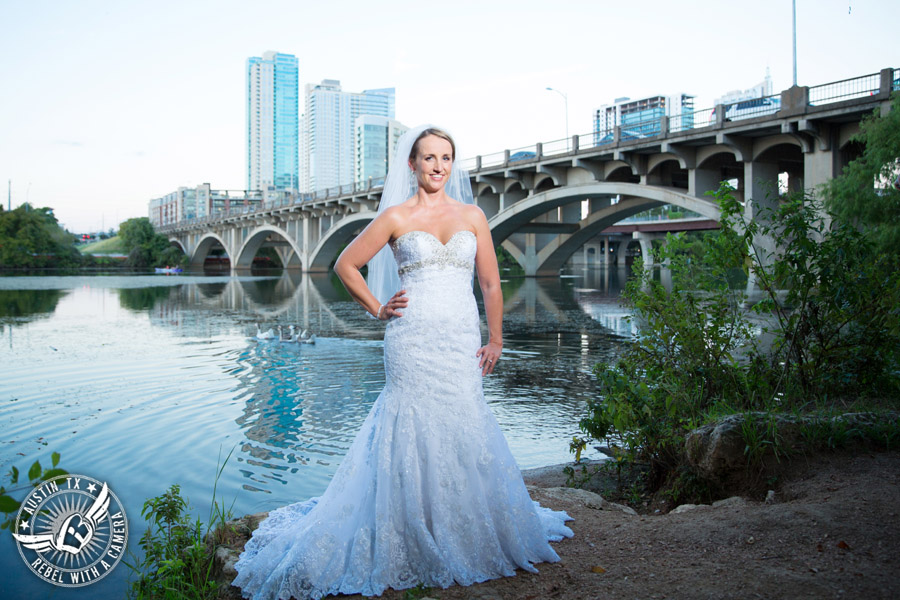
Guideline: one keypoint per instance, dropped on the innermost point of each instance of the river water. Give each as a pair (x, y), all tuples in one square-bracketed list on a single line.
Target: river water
[(143, 381)]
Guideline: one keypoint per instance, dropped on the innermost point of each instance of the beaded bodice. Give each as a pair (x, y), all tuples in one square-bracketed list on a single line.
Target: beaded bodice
[(416, 249)]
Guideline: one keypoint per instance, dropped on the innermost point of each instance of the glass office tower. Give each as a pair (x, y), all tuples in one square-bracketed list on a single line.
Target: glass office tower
[(376, 138), (273, 127), (329, 131)]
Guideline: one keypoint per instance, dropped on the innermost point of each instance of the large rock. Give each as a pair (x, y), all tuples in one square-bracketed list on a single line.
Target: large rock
[(718, 451), (588, 499), (228, 542)]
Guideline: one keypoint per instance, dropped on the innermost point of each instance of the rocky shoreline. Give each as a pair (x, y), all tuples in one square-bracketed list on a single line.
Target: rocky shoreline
[(828, 529)]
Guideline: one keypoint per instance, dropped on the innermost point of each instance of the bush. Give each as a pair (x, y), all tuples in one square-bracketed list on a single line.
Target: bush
[(830, 305)]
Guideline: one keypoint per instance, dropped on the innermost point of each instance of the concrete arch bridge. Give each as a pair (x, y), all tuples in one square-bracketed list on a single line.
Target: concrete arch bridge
[(548, 202)]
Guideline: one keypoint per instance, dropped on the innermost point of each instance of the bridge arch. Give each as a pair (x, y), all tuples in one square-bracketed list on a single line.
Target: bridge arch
[(553, 256), (666, 170), (204, 245), (709, 155), (337, 235), (634, 199), (622, 173), (765, 144), (543, 183), (513, 217), (488, 198), (254, 241), (174, 241)]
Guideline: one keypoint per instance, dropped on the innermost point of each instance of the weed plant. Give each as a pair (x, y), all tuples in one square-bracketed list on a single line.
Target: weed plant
[(177, 561)]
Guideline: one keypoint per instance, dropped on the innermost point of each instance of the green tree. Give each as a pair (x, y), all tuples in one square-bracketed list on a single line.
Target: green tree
[(136, 232), (867, 194), (32, 237), (145, 247)]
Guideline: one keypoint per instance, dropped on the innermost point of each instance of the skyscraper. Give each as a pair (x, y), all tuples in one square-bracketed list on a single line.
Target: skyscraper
[(376, 138), (273, 132), (329, 136)]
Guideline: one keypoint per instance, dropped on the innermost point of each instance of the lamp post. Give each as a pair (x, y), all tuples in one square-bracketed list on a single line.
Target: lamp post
[(566, 98), (794, 29)]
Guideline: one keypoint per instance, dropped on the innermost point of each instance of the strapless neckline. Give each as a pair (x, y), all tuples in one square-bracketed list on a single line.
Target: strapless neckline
[(432, 236)]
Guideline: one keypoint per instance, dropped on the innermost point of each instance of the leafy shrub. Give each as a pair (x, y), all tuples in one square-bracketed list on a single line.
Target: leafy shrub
[(829, 304)]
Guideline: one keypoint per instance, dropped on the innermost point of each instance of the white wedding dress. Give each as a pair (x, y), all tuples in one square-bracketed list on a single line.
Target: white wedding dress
[(428, 491)]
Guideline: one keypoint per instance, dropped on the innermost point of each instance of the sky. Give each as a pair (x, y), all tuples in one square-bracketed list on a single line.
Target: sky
[(105, 105)]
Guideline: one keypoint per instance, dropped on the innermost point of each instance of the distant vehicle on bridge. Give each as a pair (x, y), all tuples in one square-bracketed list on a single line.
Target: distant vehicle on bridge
[(753, 107), (524, 155)]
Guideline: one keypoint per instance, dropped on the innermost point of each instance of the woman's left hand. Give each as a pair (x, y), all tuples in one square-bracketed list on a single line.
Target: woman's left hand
[(489, 355)]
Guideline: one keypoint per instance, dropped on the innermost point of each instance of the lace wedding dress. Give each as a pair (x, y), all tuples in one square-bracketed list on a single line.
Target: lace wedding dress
[(428, 491)]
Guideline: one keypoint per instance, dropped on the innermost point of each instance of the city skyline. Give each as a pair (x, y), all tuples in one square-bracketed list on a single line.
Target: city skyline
[(99, 117)]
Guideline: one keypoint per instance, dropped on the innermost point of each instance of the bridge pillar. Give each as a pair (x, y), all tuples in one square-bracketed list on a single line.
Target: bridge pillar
[(304, 246), (621, 249), (819, 166), (761, 180), (531, 258), (701, 181), (646, 242), (604, 259)]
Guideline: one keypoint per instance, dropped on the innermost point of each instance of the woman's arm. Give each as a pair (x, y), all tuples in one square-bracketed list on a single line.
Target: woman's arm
[(489, 281), (358, 253)]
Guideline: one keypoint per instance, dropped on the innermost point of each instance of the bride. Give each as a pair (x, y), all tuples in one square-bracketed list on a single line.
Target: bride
[(428, 492)]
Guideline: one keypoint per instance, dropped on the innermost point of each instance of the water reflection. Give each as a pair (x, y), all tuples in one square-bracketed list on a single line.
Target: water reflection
[(27, 303), (140, 299)]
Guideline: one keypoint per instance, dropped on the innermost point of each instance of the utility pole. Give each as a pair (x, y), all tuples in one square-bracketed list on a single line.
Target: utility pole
[(566, 99), (9, 196), (794, 12)]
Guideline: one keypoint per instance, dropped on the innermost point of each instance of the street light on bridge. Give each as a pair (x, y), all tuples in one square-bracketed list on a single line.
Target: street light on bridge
[(566, 98)]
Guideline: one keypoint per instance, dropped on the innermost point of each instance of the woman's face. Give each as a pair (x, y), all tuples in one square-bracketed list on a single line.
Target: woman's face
[(432, 163)]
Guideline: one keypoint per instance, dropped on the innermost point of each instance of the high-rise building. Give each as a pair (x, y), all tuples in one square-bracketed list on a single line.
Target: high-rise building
[(376, 138), (329, 136), (273, 128), (639, 118)]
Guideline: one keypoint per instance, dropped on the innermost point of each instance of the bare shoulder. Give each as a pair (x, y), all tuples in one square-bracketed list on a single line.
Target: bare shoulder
[(394, 216), (473, 214)]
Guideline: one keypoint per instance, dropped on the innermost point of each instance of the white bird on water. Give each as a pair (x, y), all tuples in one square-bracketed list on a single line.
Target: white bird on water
[(264, 335), (290, 339)]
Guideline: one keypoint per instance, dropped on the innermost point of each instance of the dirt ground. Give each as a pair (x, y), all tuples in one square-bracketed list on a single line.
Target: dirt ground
[(833, 531)]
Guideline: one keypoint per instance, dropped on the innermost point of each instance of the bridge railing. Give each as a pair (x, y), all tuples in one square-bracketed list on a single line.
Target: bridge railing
[(847, 89), (494, 159), (595, 139), (563, 146), (691, 120)]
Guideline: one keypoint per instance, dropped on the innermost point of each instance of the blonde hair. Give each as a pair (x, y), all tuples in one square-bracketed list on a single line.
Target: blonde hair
[(414, 151)]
